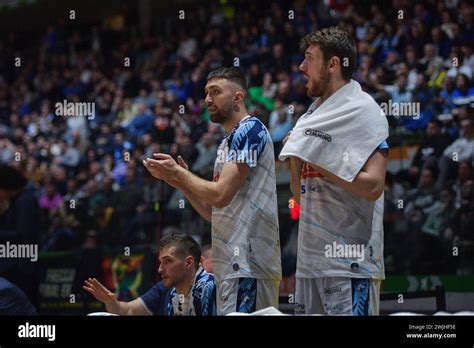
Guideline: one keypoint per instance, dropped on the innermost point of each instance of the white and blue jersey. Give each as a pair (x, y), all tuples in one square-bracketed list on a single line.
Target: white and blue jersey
[(200, 301), (245, 235), (334, 218), (338, 284)]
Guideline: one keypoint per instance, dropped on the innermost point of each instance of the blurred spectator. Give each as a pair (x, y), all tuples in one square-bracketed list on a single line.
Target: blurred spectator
[(461, 149), (463, 90), (50, 200), (432, 237), (19, 224), (465, 174), (69, 156), (207, 149), (141, 123), (280, 124), (444, 102), (431, 148), (420, 200), (426, 58)]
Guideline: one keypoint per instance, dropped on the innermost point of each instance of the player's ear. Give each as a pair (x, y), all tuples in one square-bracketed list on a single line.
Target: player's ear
[(189, 261), (334, 62), (239, 96)]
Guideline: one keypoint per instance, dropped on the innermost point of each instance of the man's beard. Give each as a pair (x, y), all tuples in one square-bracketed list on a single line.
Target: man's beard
[(320, 86), (221, 114)]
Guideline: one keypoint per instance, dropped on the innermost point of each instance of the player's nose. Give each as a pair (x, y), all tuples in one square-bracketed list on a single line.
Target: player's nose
[(302, 66)]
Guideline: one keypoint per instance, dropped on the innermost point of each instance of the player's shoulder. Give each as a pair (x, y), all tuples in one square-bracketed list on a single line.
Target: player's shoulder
[(248, 124), (367, 101), (158, 290), (250, 128), (204, 278)]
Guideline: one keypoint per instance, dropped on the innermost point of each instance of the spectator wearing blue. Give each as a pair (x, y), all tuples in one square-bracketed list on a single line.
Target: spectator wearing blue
[(141, 123), (13, 300)]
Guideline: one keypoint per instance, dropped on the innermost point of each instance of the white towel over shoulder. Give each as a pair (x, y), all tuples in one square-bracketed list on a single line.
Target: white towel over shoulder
[(339, 135)]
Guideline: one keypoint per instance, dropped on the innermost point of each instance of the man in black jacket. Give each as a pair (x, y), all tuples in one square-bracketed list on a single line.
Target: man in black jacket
[(19, 227)]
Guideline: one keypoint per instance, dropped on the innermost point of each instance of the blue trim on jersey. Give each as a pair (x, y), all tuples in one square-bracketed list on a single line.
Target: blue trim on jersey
[(159, 300), (384, 145), (247, 141), (360, 296), (247, 295), (204, 294)]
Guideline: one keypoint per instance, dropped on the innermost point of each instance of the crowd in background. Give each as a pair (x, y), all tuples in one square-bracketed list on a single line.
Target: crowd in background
[(148, 93)]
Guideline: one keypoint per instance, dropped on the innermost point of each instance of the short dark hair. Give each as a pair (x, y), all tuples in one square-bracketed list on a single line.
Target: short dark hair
[(205, 248), (232, 74), (184, 246), (334, 41), (11, 178)]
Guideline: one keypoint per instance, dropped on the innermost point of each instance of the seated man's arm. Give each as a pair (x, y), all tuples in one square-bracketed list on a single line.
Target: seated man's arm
[(104, 295)]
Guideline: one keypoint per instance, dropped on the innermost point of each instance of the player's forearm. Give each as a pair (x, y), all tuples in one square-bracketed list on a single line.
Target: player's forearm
[(364, 185), (114, 307), (295, 180), (209, 192), (117, 307)]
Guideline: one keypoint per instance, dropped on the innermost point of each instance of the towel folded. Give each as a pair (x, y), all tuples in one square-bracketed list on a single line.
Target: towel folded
[(340, 134)]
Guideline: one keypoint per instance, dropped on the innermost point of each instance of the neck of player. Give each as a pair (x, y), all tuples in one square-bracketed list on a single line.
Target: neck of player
[(238, 114), (334, 86), (185, 286)]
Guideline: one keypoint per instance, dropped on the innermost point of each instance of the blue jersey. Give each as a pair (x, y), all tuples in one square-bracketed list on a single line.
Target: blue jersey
[(247, 142), (201, 300)]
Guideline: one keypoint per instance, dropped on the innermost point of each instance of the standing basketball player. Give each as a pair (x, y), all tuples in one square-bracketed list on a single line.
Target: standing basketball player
[(240, 202), (334, 211)]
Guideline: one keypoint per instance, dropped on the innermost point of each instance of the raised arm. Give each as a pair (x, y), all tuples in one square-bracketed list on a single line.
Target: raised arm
[(104, 295)]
